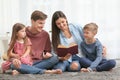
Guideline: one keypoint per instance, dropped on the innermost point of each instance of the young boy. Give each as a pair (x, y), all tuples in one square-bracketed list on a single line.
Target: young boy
[(92, 49)]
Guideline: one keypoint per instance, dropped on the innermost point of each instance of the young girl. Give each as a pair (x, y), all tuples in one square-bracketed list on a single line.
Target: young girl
[(92, 49), (19, 48)]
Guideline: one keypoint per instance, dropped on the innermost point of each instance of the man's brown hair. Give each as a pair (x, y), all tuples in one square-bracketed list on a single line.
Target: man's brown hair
[(38, 15)]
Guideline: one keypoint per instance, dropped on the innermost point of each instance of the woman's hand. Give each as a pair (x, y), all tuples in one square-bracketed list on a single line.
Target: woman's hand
[(104, 51), (47, 55), (66, 57), (16, 63)]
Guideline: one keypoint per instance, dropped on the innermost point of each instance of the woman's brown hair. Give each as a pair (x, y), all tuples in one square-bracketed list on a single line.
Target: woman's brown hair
[(55, 29)]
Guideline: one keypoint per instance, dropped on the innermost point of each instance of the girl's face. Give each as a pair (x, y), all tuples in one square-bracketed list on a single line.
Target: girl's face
[(21, 34), (61, 23), (38, 25), (88, 34)]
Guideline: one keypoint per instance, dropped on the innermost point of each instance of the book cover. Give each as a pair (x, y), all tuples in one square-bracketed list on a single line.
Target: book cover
[(63, 50)]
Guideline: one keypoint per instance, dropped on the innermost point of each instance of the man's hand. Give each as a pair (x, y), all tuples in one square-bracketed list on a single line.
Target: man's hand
[(47, 55), (16, 63)]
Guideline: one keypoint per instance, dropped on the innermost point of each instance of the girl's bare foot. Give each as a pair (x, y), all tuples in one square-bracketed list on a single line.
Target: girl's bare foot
[(57, 71), (15, 72)]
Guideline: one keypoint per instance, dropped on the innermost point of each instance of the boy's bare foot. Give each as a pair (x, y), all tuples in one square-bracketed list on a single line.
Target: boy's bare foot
[(57, 71), (15, 72)]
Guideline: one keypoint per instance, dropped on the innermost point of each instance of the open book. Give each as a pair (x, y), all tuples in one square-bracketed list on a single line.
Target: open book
[(63, 50)]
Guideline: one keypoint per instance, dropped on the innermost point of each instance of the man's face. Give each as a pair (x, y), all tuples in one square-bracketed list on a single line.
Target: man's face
[(38, 25)]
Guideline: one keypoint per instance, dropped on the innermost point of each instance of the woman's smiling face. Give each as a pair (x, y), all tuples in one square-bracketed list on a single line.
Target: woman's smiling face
[(61, 23)]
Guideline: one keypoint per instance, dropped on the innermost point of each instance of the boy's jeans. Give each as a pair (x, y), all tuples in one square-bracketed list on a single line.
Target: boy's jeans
[(105, 65)]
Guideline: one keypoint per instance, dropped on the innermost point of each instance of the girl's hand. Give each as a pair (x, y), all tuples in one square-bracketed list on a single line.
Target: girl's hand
[(15, 56), (47, 55), (66, 57)]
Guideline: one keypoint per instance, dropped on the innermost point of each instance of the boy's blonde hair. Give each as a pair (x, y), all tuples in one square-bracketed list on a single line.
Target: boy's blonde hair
[(91, 27)]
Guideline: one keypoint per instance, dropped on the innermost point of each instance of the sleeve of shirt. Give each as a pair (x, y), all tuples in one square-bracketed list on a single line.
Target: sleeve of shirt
[(98, 59), (80, 29)]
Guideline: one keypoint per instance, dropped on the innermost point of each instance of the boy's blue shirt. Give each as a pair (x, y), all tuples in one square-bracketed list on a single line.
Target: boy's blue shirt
[(93, 52)]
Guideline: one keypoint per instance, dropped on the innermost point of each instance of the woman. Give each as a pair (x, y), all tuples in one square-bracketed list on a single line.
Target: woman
[(66, 34)]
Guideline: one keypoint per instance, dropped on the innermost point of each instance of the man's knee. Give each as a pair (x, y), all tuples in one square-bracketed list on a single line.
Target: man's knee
[(54, 59)]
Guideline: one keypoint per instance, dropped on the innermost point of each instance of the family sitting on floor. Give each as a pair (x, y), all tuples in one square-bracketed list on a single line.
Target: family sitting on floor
[(30, 50)]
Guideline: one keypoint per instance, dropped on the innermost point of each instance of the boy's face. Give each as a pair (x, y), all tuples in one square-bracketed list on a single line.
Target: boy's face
[(38, 25), (88, 34)]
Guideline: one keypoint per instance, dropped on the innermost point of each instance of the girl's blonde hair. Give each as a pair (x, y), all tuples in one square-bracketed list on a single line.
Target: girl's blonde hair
[(16, 27)]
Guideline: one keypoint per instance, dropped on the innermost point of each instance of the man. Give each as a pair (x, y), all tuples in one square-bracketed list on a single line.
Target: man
[(41, 48)]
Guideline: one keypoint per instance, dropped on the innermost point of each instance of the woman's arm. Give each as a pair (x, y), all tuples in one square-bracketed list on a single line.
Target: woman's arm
[(104, 53)]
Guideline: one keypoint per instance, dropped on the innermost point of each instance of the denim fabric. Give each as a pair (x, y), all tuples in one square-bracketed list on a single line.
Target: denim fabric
[(78, 69), (105, 65), (47, 63), (38, 67), (61, 65), (65, 66), (27, 69)]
